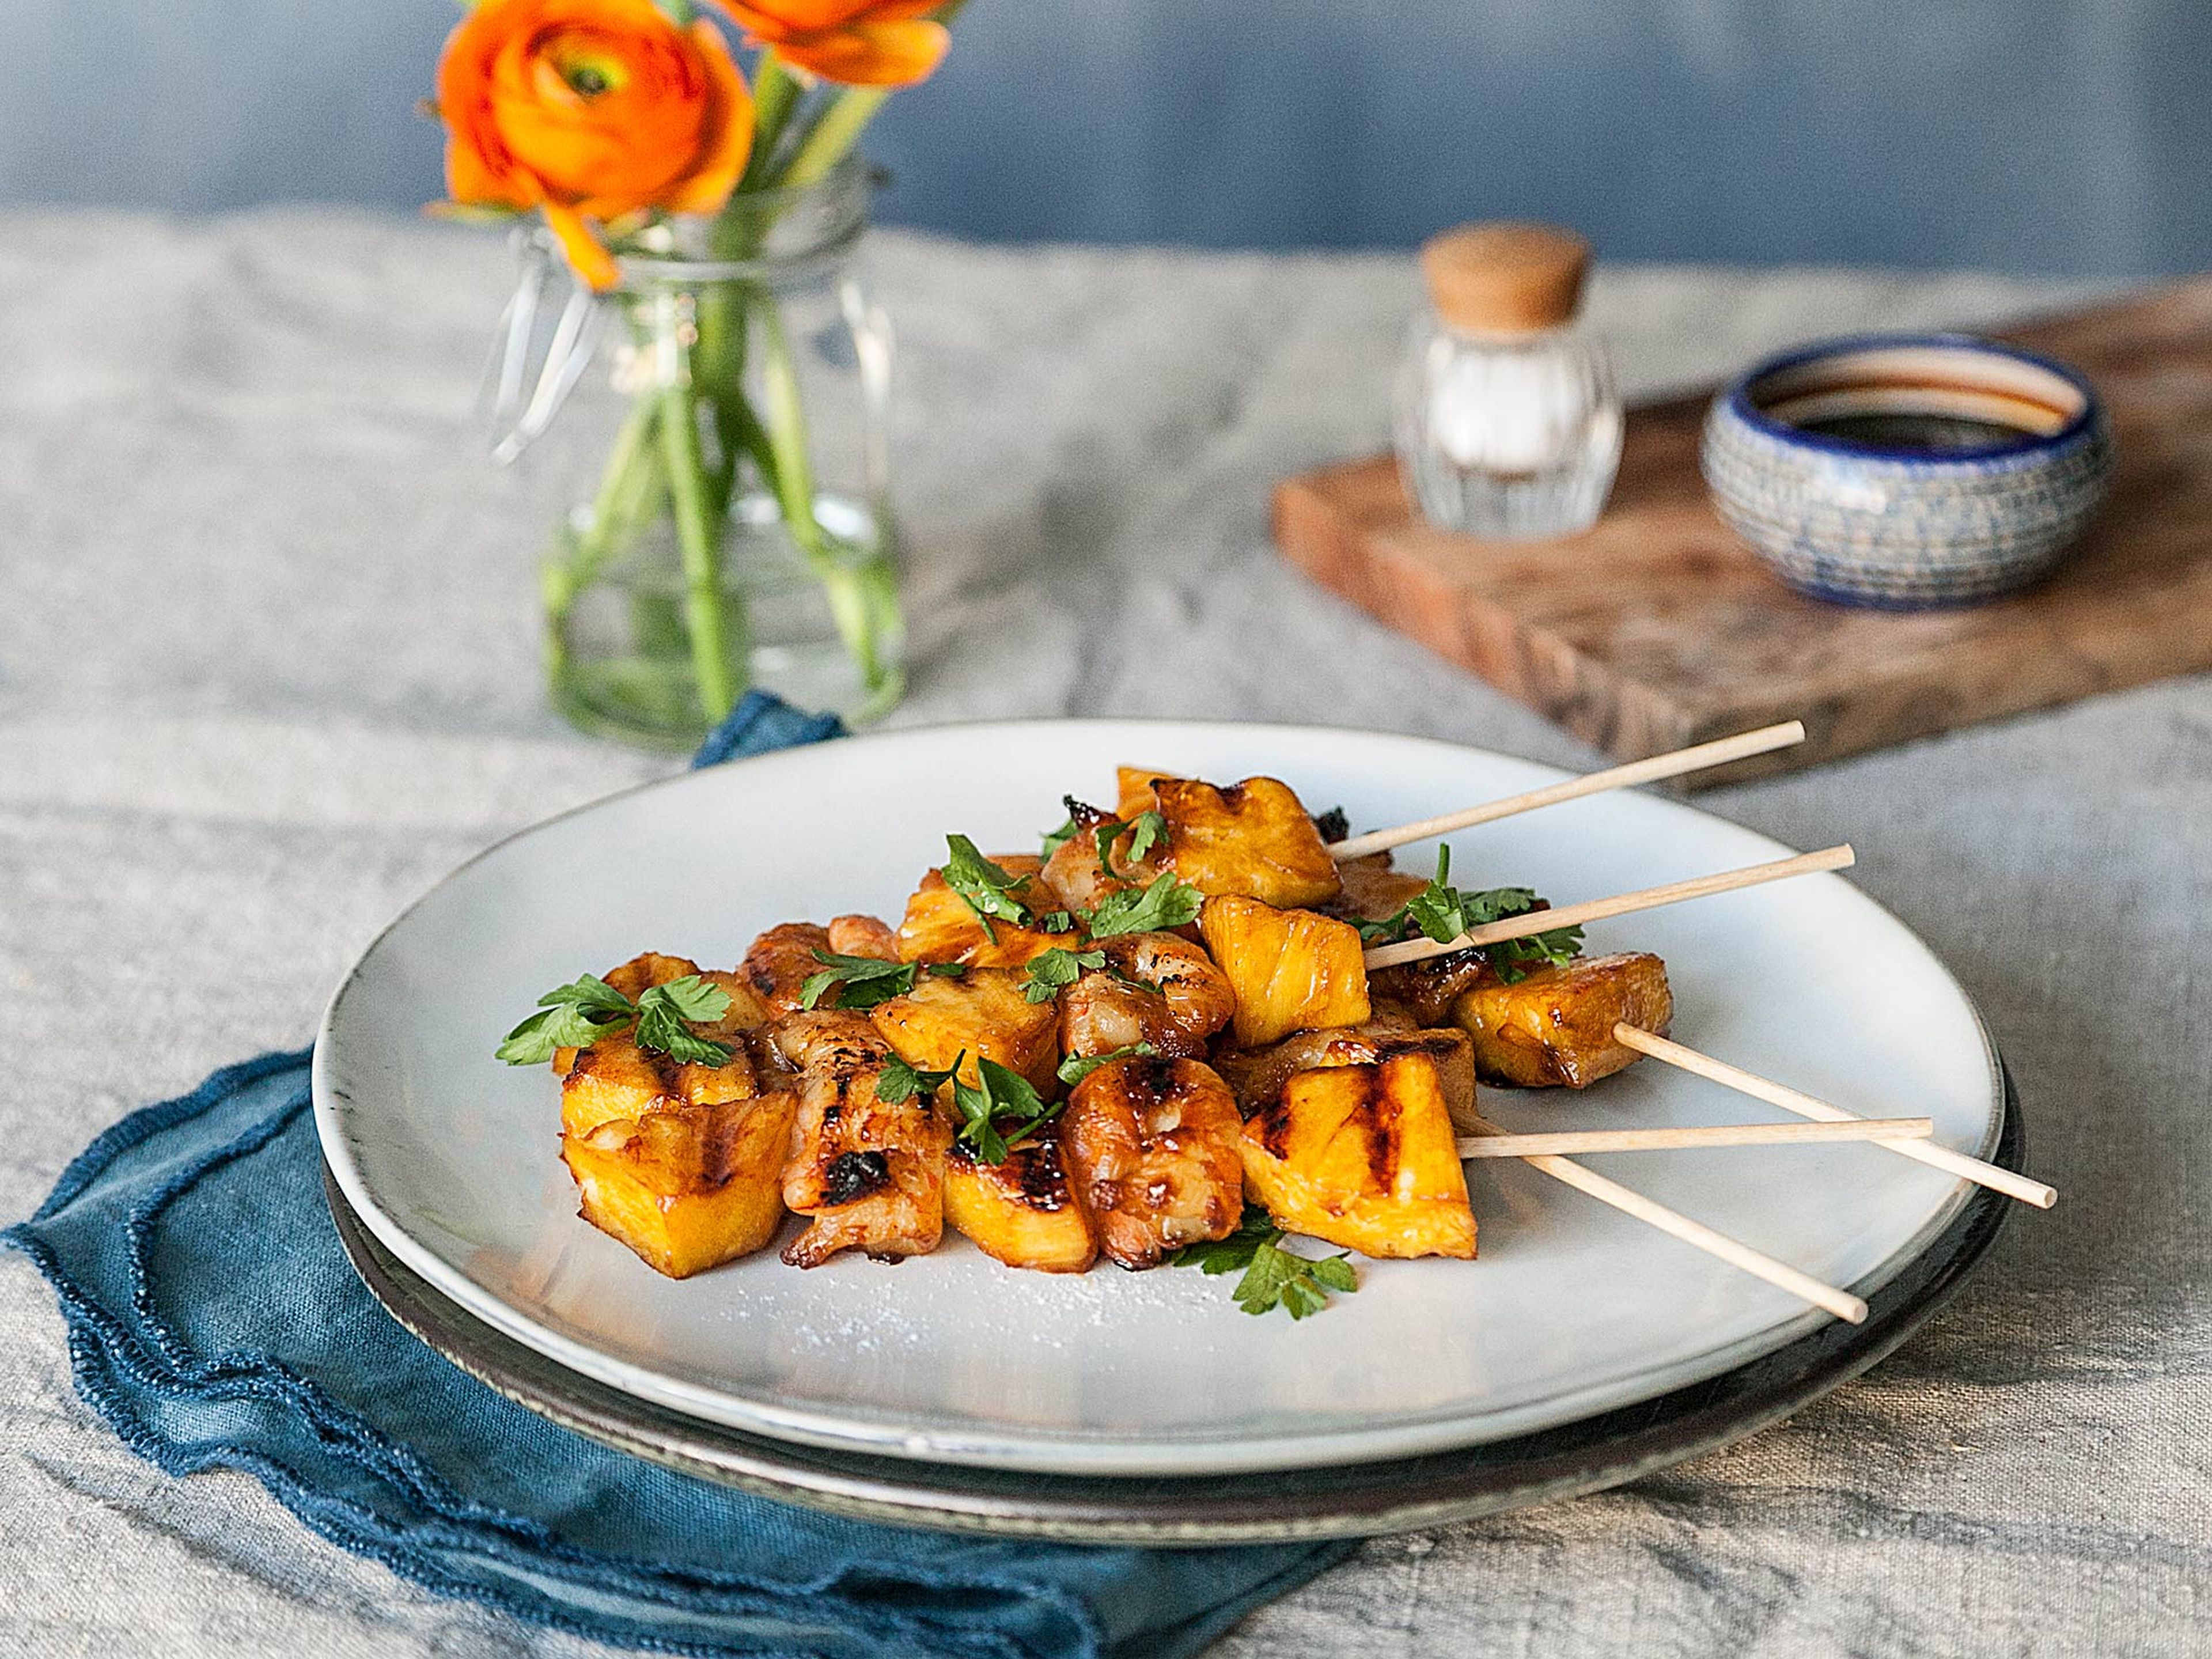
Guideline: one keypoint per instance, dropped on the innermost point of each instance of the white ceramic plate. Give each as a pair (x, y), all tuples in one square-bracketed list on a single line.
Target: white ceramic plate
[(450, 1157)]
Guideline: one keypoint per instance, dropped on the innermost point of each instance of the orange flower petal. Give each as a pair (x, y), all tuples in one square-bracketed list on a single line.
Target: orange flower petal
[(604, 106), (587, 255), (477, 166), (885, 54), (470, 178), (721, 163), (790, 17)]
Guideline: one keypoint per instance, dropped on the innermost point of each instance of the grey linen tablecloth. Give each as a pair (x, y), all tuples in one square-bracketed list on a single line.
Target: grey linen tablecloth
[(267, 666)]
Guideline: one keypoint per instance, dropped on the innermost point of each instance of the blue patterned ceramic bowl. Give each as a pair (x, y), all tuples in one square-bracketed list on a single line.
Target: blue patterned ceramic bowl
[(1908, 471)]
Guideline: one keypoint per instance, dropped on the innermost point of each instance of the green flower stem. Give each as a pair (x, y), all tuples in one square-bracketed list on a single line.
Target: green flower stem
[(863, 597), (786, 424), (627, 486), (699, 536), (862, 594), (777, 95), (718, 372), (831, 138)]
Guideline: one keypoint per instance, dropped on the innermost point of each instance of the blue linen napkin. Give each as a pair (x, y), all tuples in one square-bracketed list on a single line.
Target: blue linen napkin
[(215, 1321)]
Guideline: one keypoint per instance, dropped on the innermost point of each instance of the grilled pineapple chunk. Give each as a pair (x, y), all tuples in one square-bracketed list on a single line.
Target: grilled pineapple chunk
[(1258, 1075), (680, 1161), (1152, 1146), (646, 969), (686, 1186), (939, 926), (980, 1015), (1363, 1156), (1292, 971), (1253, 838), (863, 936), (1022, 1211), (1555, 1027), (615, 1080), (1133, 790)]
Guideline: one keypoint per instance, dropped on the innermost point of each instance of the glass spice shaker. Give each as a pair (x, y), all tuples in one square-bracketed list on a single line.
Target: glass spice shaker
[(1508, 420)]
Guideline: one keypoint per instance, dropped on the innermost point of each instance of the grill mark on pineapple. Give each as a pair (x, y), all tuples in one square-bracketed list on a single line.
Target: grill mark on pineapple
[(1034, 1174), (593, 1062), (1380, 1120)]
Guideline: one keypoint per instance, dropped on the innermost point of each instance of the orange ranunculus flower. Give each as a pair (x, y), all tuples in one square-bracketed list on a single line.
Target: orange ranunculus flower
[(591, 109), (862, 43)]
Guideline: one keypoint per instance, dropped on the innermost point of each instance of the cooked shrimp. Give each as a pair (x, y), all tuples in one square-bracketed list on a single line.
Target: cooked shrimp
[(1425, 990), (781, 961), (1153, 1144), (869, 1173), (1159, 988), (863, 936), (1077, 876)]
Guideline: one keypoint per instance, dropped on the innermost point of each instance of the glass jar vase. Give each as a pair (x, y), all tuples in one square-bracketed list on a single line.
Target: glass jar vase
[(722, 441)]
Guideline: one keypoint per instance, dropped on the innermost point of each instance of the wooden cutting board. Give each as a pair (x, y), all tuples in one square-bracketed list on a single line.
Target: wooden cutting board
[(1658, 629)]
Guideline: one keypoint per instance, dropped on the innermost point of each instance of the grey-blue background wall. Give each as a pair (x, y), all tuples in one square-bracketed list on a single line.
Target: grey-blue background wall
[(2060, 136)]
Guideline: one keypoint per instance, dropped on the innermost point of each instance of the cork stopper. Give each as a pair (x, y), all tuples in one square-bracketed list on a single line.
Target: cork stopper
[(1502, 278)]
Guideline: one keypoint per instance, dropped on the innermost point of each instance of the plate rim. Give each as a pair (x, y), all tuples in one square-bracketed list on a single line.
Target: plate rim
[(1338, 1501), (1151, 1455)]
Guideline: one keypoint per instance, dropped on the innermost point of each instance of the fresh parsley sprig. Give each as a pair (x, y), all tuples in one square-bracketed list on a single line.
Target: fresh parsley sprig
[(1274, 1277), (664, 1010), (1170, 902), (863, 981), (1443, 912), (998, 1112), (1076, 1067), (988, 889), (1048, 970), (1056, 839), (1513, 959), (579, 1014), (898, 1082), (1144, 832)]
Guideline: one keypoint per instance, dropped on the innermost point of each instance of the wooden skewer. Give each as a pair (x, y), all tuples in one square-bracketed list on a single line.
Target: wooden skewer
[(1841, 1303), (1696, 758), (1790, 1100), (1648, 898), (1557, 1141)]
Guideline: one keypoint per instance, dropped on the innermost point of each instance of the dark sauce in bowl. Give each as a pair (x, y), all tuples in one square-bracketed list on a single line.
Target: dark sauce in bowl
[(1932, 434)]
